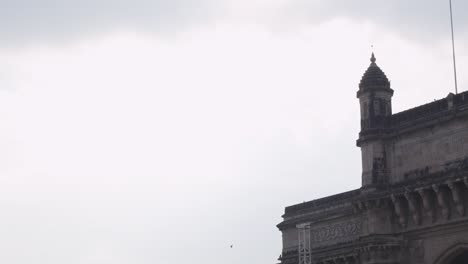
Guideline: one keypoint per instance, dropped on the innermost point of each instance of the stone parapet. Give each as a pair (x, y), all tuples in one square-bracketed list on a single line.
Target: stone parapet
[(430, 111), (321, 203)]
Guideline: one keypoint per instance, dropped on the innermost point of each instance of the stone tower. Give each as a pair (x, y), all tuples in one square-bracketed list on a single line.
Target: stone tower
[(375, 98)]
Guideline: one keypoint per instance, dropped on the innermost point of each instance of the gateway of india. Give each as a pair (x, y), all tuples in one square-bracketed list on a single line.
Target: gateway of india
[(413, 204)]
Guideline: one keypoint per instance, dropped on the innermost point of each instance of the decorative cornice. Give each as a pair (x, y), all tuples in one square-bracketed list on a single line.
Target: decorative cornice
[(361, 200), (322, 202)]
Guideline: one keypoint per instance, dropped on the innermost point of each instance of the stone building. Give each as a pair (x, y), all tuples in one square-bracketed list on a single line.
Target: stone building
[(412, 206)]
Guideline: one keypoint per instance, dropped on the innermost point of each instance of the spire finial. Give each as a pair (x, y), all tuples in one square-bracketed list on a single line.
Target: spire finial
[(372, 59)]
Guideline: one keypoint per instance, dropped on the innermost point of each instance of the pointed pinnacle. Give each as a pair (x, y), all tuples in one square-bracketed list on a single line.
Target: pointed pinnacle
[(373, 58)]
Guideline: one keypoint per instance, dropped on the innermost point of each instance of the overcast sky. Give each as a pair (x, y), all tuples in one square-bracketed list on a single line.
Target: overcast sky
[(165, 131)]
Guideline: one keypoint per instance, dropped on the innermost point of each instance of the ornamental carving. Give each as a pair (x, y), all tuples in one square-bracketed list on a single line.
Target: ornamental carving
[(336, 232)]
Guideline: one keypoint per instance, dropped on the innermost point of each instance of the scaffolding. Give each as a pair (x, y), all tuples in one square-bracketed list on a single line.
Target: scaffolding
[(304, 249)]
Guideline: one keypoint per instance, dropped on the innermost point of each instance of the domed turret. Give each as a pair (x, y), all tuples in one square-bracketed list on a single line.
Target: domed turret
[(375, 97), (374, 78)]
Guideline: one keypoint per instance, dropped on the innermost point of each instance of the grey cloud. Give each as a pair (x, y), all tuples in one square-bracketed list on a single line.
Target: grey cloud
[(29, 20), (24, 21), (417, 19)]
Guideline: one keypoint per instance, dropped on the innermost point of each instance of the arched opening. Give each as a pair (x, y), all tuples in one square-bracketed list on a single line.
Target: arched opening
[(461, 258), (456, 254)]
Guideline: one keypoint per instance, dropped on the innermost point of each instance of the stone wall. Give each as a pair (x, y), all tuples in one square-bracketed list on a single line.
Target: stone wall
[(290, 239), (427, 150)]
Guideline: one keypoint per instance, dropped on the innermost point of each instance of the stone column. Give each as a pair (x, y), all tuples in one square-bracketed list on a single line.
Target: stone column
[(428, 205), (413, 207), (399, 210), (442, 201), (457, 198)]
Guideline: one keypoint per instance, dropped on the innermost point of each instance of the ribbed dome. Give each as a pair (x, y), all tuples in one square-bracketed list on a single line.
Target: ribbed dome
[(374, 77)]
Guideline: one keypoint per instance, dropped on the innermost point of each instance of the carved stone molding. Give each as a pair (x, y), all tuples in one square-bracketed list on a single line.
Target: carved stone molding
[(336, 232)]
